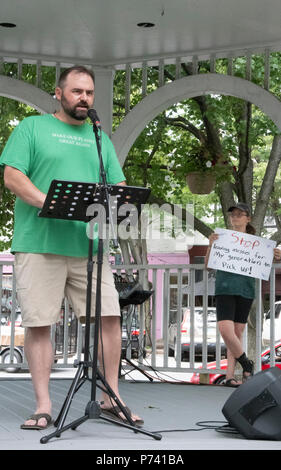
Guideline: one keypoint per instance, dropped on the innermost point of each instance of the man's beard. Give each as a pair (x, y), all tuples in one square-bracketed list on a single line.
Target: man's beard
[(72, 111)]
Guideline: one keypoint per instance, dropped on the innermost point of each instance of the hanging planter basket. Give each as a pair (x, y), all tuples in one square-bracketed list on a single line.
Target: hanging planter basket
[(201, 182)]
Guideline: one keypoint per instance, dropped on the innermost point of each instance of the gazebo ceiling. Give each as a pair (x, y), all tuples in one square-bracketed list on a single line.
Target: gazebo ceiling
[(106, 32)]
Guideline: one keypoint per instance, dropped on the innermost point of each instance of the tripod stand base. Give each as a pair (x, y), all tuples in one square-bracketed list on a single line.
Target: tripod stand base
[(135, 367), (84, 418), (92, 411), (74, 424)]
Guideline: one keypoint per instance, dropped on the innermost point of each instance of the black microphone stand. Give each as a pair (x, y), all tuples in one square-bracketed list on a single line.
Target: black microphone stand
[(93, 409)]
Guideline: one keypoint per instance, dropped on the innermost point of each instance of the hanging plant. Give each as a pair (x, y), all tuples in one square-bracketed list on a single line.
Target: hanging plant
[(201, 183), (202, 171)]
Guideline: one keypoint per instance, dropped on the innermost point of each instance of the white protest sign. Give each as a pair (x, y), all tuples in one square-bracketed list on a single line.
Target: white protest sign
[(242, 253)]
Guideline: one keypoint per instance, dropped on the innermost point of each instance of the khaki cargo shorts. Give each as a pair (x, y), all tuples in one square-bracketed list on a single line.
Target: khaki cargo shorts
[(43, 280)]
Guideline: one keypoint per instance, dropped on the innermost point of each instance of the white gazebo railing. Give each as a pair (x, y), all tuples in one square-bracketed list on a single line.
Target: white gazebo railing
[(156, 333)]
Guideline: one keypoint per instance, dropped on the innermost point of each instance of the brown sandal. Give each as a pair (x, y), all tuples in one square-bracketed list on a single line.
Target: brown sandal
[(115, 412), (36, 418)]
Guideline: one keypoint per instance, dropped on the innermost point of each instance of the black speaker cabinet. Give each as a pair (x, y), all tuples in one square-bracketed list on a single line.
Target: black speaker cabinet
[(254, 408)]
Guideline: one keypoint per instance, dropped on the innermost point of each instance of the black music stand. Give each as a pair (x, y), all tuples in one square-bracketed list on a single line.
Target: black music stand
[(88, 202)]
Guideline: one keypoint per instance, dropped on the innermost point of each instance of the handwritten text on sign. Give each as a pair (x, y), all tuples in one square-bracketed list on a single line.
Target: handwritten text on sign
[(242, 253)]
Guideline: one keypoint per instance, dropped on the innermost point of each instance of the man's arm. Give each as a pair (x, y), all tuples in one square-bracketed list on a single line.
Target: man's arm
[(19, 184)]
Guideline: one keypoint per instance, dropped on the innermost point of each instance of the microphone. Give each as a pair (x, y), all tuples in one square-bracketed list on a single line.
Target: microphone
[(94, 117)]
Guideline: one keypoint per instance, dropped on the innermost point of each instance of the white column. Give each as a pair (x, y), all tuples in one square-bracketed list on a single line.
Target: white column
[(104, 97)]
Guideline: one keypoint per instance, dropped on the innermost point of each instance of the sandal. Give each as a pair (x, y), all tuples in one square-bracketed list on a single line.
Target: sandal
[(36, 418), (229, 383), (115, 412)]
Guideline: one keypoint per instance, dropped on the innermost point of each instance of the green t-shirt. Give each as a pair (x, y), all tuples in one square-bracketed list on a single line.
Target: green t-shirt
[(45, 148), (234, 284)]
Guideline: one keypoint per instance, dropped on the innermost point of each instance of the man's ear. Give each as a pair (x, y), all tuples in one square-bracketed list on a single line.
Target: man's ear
[(58, 93)]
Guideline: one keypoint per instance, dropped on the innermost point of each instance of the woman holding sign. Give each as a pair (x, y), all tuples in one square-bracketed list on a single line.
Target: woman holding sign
[(234, 296)]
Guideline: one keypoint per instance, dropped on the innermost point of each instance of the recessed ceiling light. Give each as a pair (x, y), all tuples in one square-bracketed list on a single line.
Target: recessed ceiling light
[(146, 24), (8, 25)]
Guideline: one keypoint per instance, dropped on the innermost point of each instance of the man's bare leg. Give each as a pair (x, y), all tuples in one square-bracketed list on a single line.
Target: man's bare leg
[(109, 355), (39, 354)]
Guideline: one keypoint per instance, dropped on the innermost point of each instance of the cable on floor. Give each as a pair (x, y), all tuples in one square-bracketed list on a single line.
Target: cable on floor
[(219, 426)]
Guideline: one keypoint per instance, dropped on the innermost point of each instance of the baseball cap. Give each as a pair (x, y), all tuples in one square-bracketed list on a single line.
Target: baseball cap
[(242, 207)]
